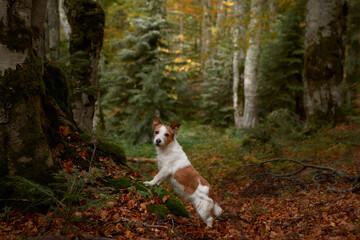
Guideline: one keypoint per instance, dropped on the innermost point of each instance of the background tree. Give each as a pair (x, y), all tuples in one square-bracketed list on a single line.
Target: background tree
[(324, 59), (251, 66), (85, 46), (282, 62), (352, 59), (238, 58), (52, 28)]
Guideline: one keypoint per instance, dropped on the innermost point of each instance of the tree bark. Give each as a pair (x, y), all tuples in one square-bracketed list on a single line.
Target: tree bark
[(52, 22), (324, 59), (238, 57), (250, 118), (85, 49)]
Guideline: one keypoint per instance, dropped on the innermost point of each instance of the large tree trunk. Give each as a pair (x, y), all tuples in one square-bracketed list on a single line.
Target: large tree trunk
[(27, 118), (238, 58), (352, 59), (52, 22), (324, 59), (87, 20), (250, 118)]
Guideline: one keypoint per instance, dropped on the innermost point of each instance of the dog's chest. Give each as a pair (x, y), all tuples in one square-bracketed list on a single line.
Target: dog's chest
[(172, 161)]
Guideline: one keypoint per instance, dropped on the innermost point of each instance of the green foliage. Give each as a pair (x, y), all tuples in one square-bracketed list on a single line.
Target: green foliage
[(145, 85), (275, 131), (281, 64), (216, 98)]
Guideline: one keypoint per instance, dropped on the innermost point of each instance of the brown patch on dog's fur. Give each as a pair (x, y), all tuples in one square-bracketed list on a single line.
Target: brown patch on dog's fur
[(156, 122), (189, 178), (170, 138)]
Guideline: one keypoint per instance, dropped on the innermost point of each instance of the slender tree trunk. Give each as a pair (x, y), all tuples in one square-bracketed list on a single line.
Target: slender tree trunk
[(238, 57), (324, 59), (64, 23), (85, 47), (206, 36), (250, 118), (52, 35), (220, 17)]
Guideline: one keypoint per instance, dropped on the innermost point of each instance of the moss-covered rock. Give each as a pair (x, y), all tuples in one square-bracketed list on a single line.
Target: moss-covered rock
[(118, 183), (106, 147), (159, 209), (174, 204), (176, 207)]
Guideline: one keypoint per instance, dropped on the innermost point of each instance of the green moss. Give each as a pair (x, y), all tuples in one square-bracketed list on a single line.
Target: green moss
[(176, 207), (118, 183), (174, 204), (159, 209)]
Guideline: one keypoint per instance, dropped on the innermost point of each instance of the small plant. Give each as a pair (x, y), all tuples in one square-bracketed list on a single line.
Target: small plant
[(73, 191)]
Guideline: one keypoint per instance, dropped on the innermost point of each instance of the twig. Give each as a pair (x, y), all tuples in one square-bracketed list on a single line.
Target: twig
[(304, 166), (14, 200), (46, 228), (78, 234), (148, 160), (145, 224), (93, 140), (353, 189), (292, 176)]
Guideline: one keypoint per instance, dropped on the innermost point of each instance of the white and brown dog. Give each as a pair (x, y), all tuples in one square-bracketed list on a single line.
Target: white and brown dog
[(174, 165)]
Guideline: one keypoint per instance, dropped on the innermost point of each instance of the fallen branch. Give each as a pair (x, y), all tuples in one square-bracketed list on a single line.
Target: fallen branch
[(138, 159), (323, 171)]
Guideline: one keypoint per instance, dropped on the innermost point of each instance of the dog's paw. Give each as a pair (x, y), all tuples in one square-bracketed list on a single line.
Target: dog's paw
[(148, 183)]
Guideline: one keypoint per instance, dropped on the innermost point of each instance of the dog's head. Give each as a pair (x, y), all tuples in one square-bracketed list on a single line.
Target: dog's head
[(163, 134)]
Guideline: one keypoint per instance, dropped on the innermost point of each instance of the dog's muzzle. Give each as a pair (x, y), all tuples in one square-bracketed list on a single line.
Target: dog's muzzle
[(158, 142)]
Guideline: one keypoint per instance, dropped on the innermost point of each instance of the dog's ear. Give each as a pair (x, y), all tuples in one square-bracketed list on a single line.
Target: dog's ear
[(175, 127), (156, 121)]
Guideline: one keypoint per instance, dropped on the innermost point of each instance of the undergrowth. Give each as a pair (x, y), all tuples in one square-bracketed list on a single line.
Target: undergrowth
[(217, 152)]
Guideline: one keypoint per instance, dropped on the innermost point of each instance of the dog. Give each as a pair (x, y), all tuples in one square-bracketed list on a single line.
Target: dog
[(173, 164)]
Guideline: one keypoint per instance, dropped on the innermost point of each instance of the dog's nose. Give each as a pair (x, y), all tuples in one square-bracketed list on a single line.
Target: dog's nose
[(158, 141)]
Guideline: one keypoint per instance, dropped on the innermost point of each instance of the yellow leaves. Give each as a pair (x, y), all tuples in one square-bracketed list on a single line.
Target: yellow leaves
[(228, 4)]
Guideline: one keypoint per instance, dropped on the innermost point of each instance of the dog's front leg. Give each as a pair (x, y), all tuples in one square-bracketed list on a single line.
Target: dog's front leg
[(159, 178)]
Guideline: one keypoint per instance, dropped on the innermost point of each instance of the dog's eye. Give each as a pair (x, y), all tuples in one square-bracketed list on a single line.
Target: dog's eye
[(157, 132), (166, 135)]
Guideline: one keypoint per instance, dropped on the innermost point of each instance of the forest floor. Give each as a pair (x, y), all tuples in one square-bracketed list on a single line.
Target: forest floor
[(256, 206)]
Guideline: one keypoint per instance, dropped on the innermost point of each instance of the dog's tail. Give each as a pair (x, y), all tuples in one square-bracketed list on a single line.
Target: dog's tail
[(217, 210)]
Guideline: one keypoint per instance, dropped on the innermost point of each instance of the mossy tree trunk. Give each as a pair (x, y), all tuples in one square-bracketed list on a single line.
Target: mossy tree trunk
[(52, 29), (29, 116), (324, 59), (86, 18)]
